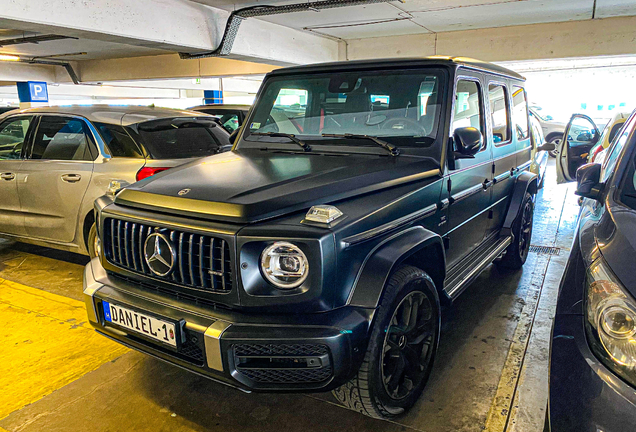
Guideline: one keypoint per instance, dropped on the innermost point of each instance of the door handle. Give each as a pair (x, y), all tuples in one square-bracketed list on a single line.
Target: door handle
[(7, 176), (71, 178), (487, 183)]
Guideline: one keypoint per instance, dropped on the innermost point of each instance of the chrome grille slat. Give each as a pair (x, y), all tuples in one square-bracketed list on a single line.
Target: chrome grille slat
[(196, 266)]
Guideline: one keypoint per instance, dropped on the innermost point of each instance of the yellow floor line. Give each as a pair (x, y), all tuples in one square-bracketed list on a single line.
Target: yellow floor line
[(45, 343), (500, 410)]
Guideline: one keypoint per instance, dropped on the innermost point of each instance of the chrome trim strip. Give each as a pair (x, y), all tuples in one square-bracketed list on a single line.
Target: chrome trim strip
[(524, 166), (382, 229), (502, 177), (476, 269), (466, 193), (212, 339)]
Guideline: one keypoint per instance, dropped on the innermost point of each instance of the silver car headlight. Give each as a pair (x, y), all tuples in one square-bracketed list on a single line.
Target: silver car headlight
[(611, 317), (284, 265)]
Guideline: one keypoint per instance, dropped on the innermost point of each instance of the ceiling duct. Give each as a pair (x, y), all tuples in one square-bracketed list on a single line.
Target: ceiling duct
[(33, 39), (237, 17)]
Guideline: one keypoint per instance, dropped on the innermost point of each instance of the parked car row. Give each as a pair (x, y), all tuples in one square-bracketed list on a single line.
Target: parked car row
[(54, 163)]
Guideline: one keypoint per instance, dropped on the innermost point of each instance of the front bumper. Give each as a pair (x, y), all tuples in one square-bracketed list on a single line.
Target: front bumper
[(253, 352), (584, 394)]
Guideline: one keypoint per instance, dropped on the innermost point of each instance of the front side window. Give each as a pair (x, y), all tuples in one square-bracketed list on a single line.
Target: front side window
[(400, 107), (499, 113), (61, 138), (12, 135), (468, 109), (520, 113)]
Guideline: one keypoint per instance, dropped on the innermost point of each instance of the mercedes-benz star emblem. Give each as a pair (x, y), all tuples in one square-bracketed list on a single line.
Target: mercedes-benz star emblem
[(160, 254), (183, 191)]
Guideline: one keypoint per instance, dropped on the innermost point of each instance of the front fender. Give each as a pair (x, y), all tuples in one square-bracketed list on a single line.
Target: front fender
[(384, 258)]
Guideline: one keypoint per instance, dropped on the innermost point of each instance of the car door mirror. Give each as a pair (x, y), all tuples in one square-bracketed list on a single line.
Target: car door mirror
[(468, 142), (588, 179), (547, 147), (549, 118)]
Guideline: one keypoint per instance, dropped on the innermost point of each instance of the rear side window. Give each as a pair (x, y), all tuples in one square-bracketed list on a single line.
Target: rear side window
[(499, 113), (179, 138), (468, 111), (61, 138), (12, 134), (119, 143), (520, 113)]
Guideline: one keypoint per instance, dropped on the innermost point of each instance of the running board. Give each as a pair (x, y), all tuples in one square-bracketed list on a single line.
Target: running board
[(463, 274)]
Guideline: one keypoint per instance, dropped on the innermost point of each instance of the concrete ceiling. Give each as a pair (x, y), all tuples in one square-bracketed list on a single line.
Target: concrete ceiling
[(93, 49), (434, 16)]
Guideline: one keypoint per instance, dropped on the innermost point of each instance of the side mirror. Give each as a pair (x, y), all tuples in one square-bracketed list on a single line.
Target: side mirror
[(547, 147), (468, 142), (588, 179), (549, 118)]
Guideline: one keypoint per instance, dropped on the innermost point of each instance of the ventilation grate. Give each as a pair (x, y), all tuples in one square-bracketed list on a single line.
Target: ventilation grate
[(545, 250)]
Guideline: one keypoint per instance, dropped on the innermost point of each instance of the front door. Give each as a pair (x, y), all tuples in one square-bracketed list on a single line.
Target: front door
[(54, 177), (467, 182), (578, 139), (13, 135)]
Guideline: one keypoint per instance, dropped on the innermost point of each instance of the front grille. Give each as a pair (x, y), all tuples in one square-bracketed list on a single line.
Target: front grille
[(244, 350), (283, 363), (202, 262), (287, 376)]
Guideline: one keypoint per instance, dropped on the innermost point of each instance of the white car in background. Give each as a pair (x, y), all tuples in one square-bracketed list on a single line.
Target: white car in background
[(552, 130)]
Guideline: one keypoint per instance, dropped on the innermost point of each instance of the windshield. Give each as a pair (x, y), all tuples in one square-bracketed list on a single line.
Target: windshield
[(178, 138), (402, 107)]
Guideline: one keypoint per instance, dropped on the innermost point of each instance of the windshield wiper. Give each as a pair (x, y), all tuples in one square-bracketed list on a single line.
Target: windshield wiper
[(385, 145), (291, 137)]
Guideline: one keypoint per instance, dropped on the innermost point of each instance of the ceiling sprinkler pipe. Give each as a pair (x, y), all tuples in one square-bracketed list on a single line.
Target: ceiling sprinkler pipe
[(237, 17)]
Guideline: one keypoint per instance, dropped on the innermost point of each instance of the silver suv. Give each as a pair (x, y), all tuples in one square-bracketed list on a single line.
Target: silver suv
[(55, 161)]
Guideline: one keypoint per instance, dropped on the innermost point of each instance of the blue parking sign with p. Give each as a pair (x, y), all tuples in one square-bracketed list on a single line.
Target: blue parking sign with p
[(33, 91)]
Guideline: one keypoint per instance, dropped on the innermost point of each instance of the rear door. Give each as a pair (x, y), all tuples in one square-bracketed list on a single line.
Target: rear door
[(54, 177), (504, 151), (581, 134), (14, 133), (468, 216)]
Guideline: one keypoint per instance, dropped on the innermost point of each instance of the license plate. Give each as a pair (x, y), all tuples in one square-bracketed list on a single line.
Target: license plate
[(162, 331)]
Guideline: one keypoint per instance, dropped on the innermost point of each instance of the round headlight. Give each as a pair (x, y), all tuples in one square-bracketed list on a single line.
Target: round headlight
[(284, 265)]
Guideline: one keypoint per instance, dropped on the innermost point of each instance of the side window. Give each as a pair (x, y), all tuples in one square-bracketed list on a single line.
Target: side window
[(499, 113), (61, 138), (12, 134), (520, 112), (119, 143), (468, 110), (616, 149)]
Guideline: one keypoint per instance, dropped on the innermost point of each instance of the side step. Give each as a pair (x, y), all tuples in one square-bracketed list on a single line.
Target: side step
[(460, 276)]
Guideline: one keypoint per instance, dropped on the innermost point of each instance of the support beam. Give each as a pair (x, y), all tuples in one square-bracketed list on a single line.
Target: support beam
[(589, 38), (165, 66), (172, 25)]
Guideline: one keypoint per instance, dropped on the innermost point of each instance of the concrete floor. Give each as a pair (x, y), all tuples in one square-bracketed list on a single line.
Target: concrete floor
[(490, 373)]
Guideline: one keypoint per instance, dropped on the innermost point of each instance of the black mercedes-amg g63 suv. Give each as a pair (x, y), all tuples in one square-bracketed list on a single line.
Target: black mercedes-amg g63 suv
[(358, 198)]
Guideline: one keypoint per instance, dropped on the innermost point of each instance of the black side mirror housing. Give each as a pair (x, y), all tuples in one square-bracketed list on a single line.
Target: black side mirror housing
[(547, 147), (588, 179), (468, 142)]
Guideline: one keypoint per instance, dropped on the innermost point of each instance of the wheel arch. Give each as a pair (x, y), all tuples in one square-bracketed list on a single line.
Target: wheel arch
[(88, 221), (526, 182), (414, 246), (553, 135)]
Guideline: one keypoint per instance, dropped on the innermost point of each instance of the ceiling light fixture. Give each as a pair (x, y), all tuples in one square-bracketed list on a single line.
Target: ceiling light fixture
[(9, 57)]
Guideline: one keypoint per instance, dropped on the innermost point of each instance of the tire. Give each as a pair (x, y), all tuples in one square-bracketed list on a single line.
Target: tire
[(92, 242), (556, 141), (517, 253), (393, 352)]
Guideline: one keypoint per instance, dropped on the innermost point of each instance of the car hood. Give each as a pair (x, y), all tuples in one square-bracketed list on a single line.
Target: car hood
[(616, 239), (253, 185)]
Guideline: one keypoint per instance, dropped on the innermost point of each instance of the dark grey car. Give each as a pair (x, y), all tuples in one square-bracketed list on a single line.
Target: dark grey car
[(55, 161), (593, 351)]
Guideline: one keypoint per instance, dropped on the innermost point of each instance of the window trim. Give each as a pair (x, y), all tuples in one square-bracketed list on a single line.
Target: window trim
[(92, 142), (508, 115), (482, 109)]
